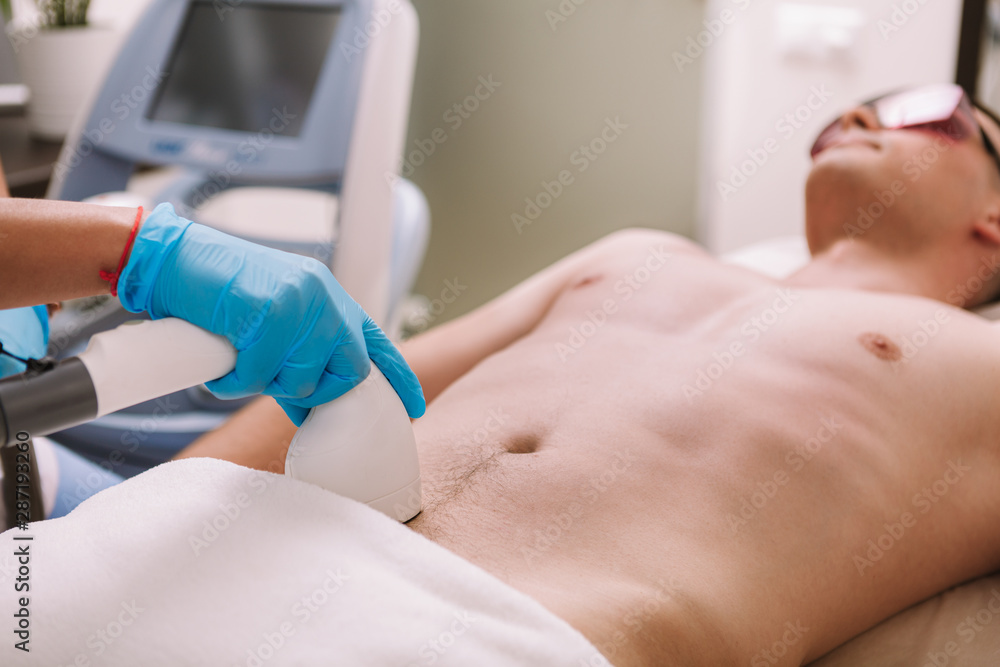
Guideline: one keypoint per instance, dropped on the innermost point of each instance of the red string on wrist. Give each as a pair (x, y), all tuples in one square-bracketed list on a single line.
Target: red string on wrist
[(113, 277)]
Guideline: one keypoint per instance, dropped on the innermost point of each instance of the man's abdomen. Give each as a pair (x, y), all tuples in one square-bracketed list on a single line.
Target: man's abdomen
[(677, 497)]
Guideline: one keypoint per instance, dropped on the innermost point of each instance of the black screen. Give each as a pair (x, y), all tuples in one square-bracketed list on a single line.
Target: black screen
[(232, 69)]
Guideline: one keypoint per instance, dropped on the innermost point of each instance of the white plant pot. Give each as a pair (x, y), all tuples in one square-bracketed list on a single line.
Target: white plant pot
[(61, 67)]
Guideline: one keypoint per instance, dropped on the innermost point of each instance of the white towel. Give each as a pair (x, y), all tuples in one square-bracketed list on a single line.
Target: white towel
[(202, 562)]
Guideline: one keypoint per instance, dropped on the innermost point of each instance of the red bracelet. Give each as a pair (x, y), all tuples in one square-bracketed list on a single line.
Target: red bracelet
[(113, 277)]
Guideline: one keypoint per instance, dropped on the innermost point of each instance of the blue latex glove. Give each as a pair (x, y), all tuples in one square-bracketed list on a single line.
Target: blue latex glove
[(24, 332), (300, 338)]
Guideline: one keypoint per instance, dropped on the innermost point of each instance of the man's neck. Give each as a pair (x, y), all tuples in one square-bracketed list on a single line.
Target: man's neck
[(856, 265)]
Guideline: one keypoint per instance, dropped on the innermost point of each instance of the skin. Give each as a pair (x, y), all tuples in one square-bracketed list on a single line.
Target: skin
[(54, 251), (681, 500)]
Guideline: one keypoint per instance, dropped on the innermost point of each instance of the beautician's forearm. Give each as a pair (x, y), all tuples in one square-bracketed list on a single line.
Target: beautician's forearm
[(51, 251)]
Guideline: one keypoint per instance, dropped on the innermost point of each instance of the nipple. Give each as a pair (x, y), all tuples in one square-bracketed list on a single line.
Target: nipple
[(880, 345)]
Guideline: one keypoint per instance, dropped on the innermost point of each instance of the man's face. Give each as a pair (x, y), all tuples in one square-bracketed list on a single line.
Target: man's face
[(903, 187)]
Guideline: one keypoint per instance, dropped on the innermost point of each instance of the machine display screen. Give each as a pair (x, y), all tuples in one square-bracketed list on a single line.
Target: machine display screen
[(248, 67)]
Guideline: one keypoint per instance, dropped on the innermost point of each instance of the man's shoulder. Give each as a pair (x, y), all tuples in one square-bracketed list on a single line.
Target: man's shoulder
[(643, 237)]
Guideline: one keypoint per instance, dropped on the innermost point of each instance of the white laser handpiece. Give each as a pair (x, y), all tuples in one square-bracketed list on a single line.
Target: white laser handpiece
[(360, 445)]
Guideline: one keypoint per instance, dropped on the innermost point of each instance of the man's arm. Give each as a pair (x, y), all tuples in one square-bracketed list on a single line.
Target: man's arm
[(445, 353), (257, 437)]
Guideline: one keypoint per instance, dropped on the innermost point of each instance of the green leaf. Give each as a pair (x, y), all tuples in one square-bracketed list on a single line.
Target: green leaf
[(58, 13)]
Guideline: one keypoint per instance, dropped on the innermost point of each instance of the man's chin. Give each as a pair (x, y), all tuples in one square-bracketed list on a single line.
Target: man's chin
[(842, 172), (851, 157), (848, 145)]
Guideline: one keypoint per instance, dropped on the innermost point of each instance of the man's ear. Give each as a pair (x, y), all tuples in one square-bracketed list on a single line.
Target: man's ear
[(987, 225)]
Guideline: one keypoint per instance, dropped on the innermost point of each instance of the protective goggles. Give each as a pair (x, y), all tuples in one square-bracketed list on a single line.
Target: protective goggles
[(944, 109)]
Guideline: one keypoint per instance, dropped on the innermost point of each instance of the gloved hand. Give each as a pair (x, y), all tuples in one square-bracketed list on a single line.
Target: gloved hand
[(300, 338), (24, 332)]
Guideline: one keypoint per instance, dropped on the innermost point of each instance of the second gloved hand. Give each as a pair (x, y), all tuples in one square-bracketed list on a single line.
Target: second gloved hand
[(24, 333), (299, 336)]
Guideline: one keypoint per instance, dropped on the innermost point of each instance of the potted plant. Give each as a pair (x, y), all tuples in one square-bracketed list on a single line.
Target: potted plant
[(62, 58)]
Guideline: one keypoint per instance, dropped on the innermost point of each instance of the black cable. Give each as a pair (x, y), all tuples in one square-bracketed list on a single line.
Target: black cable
[(34, 365)]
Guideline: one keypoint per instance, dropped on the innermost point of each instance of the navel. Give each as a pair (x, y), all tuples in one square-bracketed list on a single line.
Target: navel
[(523, 444), (880, 345)]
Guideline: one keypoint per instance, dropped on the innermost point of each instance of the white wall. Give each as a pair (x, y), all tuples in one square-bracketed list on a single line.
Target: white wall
[(609, 58), (751, 83), (122, 13)]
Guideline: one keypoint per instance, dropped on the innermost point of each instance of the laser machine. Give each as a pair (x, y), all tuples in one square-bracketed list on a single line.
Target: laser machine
[(278, 121)]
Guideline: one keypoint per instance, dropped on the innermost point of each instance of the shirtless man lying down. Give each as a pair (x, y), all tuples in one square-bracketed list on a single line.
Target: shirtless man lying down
[(693, 464)]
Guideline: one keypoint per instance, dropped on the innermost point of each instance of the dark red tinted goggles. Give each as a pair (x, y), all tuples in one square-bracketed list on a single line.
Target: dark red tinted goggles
[(942, 108)]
